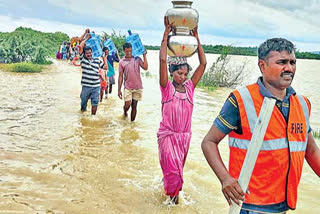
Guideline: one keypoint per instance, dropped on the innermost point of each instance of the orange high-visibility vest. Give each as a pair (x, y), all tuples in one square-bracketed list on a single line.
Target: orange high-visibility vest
[(278, 168)]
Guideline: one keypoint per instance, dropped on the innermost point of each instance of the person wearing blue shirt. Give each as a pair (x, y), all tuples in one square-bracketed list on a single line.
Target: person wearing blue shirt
[(111, 74)]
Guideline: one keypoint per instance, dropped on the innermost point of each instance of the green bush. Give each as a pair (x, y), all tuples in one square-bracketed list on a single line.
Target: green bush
[(222, 73), (25, 67), (316, 133), (40, 57), (207, 87), (26, 44)]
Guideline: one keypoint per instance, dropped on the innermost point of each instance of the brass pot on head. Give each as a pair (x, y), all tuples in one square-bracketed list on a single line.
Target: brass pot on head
[(183, 19)]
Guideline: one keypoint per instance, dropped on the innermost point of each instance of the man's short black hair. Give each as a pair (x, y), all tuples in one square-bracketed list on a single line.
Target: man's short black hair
[(85, 48), (275, 44), (127, 45), (105, 49)]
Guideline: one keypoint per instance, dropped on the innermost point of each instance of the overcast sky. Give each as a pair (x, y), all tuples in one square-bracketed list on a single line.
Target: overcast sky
[(235, 22)]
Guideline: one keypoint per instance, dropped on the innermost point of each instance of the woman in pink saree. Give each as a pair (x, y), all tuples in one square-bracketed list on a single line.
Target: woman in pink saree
[(174, 134)]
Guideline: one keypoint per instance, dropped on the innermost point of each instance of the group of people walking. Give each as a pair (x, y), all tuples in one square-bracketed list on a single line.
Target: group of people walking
[(67, 51), (287, 142), (98, 75)]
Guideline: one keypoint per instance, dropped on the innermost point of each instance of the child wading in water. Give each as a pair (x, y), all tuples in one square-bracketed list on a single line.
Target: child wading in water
[(103, 81), (111, 73), (103, 78), (174, 134)]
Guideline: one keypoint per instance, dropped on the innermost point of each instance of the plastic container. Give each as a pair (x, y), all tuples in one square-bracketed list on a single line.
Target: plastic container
[(110, 45), (137, 46), (94, 44)]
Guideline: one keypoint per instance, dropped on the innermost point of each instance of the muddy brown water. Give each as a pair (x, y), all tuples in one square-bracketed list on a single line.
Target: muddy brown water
[(54, 159)]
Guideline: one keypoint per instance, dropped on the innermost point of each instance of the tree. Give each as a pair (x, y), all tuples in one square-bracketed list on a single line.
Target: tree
[(26, 44)]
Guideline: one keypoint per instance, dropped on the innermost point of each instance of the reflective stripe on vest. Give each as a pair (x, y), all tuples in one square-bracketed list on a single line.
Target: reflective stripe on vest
[(268, 145), (305, 111), (249, 107)]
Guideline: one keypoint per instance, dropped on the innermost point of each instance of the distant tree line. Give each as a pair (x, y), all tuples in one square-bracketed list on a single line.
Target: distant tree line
[(307, 55), (246, 51), (26, 44)]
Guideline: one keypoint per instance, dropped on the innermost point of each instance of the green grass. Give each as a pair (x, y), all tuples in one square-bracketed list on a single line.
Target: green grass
[(45, 62), (24, 67), (208, 88), (316, 133)]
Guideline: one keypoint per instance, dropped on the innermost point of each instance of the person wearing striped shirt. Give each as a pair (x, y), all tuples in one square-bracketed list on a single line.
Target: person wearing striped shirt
[(90, 80)]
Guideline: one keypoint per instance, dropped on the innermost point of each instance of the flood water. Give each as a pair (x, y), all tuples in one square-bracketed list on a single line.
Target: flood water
[(54, 159)]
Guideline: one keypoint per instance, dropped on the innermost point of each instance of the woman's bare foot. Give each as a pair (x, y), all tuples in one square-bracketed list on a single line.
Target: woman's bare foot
[(175, 199)]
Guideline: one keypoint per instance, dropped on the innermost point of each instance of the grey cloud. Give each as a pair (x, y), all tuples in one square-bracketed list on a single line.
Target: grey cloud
[(232, 19), (140, 13)]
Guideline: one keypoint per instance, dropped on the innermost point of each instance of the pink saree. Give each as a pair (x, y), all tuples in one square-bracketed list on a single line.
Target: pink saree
[(174, 135)]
